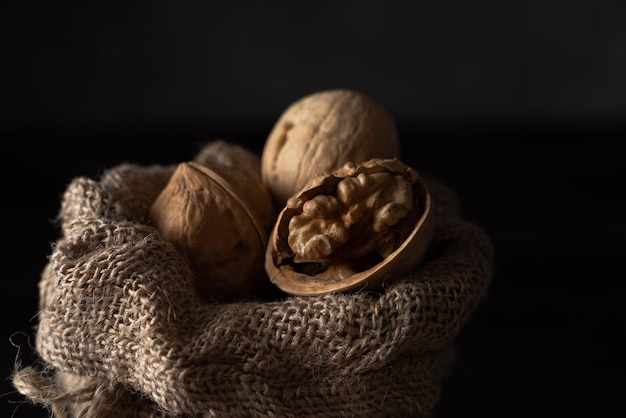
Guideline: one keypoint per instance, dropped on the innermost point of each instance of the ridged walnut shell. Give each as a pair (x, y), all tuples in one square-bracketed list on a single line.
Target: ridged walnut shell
[(319, 133), (215, 228), (353, 229)]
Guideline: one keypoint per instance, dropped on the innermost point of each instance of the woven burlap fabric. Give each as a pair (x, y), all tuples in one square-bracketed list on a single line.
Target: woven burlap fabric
[(122, 332)]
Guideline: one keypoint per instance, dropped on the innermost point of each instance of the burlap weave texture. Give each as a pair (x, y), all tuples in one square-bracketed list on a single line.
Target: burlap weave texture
[(122, 332)]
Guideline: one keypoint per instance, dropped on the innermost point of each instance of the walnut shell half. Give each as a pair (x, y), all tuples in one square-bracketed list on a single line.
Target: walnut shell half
[(360, 226)]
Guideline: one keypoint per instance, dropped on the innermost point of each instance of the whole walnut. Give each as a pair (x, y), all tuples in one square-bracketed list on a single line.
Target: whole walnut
[(319, 133), (218, 213)]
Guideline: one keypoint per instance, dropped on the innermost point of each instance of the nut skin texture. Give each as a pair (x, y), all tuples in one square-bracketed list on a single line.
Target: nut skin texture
[(319, 133), (355, 228), (215, 226)]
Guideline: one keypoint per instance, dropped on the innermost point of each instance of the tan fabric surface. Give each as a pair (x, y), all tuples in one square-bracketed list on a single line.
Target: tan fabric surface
[(122, 332)]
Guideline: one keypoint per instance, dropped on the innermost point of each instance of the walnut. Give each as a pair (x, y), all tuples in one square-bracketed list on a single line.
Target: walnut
[(242, 169), (319, 133), (355, 228), (220, 225)]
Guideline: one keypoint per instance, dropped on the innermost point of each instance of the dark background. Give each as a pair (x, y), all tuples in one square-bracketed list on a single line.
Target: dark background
[(519, 106)]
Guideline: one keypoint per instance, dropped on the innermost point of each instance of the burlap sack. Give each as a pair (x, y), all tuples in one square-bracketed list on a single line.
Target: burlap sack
[(122, 332)]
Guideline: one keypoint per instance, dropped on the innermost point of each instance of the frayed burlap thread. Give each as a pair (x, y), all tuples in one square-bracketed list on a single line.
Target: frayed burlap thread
[(123, 333)]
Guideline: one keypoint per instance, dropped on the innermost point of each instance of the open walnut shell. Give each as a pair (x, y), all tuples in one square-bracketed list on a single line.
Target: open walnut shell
[(355, 228)]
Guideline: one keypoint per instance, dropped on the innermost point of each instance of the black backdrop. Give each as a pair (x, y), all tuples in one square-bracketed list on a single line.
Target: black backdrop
[(519, 106)]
